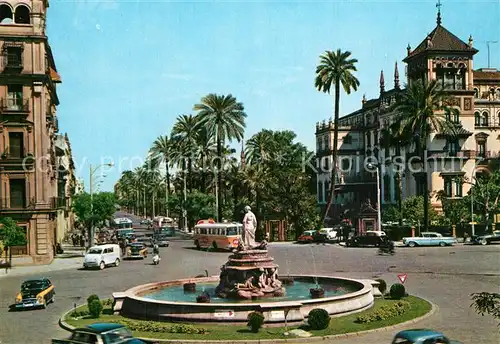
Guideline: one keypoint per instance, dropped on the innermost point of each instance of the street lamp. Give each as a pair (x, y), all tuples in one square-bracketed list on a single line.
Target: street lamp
[(379, 215), (472, 196), (92, 171)]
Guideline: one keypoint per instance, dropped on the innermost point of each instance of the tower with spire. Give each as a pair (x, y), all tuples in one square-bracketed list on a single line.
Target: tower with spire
[(396, 77), (242, 155), (382, 83)]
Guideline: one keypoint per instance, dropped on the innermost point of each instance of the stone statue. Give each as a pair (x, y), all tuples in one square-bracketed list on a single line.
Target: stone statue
[(249, 227)]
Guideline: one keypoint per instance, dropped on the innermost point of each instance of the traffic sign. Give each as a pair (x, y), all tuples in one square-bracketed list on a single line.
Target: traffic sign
[(402, 278)]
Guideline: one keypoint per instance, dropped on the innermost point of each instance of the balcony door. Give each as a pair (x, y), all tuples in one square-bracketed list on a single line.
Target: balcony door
[(16, 145), (17, 193), (14, 97)]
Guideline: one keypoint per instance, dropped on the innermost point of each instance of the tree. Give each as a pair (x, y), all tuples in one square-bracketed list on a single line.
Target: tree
[(335, 69), (487, 303), (486, 193), (422, 110), (161, 152), (224, 118), (95, 212), (10, 235), (413, 211), (456, 211), (186, 131)]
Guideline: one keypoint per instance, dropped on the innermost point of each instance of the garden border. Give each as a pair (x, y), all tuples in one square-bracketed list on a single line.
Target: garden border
[(434, 310)]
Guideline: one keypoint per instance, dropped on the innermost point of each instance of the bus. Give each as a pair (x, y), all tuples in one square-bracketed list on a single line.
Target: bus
[(122, 226), (163, 226), (217, 235)]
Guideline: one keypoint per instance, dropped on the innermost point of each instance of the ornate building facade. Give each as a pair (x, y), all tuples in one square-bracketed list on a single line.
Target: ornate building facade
[(474, 92), (28, 127)]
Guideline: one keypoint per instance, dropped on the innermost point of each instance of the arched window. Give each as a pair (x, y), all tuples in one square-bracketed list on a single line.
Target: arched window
[(320, 192), (22, 15), (498, 94), (484, 119), (476, 93), (5, 14), (477, 118)]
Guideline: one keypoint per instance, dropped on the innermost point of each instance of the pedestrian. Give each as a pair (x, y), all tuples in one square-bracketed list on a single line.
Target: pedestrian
[(466, 236)]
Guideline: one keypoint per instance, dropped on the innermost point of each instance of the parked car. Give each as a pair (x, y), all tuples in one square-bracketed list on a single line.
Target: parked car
[(102, 256), (100, 333), (422, 336), (329, 234), (161, 240), (371, 238), (35, 293), (486, 239), (429, 239), (137, 250), (309, 237)]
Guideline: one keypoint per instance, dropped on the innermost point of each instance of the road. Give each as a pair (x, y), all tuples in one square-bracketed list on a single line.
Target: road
[(446, 276)]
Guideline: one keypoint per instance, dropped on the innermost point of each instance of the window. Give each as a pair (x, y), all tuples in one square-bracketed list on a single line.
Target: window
[(13, 56), (476, 93), (484, 119), (16, 146), (5, 14), (387, 188), (498, 94), (451, 78), (447, 187), (326, 163), (458, 187), (327, 191), (22, 15), (347, 139), (14, 97), (452, 146), (481, 149), (453, 116), (17, 193), (320, 192), (345, 164), (477, 119)]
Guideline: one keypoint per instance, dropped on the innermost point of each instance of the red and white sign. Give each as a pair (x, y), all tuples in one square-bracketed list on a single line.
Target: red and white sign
[(224, 314), (402, 278), (211, 221)]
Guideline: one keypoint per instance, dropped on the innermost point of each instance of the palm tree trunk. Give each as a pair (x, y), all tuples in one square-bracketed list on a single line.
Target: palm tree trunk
[(334, 152), (219, 174), (167, 188), (400, 198), (190, 174), (203, 176), (426, 188)]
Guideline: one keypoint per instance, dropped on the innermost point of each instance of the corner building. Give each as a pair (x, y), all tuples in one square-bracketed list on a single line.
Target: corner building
[(475, 93), (28, 125)]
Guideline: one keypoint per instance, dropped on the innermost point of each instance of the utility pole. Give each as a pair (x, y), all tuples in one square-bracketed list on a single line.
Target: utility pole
[(488, 46)]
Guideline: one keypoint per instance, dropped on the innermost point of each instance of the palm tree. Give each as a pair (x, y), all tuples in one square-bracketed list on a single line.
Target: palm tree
[(421, 111), (335, 69), (206, 150), (186, 129), (258, 147), (224, 118), (161, 152)]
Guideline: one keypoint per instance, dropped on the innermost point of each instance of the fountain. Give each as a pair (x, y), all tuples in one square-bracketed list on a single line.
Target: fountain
[(248, 282)]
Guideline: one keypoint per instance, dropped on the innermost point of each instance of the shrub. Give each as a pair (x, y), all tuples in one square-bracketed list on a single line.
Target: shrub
[(382, 286), (397, 291), (92, 298), (318, 319), (79, 314), (95, 308), (255, 321), (149, 326), (385, 312)]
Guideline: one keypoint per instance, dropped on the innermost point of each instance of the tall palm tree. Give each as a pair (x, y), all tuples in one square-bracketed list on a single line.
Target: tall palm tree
[(206, 149), (422, 110), (224, 118), (186, 129), (258, 147), (161, 152), (336, 69)]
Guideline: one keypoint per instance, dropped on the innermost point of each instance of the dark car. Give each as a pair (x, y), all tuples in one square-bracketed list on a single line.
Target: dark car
[(105, 333), (364, 240), (35, 293), (486, 239)]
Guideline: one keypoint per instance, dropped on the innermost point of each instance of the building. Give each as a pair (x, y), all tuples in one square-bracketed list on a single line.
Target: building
[(474, 92), (28, 125)]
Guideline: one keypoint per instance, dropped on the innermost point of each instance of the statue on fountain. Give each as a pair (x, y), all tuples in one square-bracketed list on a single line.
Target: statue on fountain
[(249, 228)]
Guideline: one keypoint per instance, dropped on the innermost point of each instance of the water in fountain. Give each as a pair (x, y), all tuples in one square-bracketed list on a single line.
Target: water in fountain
[(314, 268)]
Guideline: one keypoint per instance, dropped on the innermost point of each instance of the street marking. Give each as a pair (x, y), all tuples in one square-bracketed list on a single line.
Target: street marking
[(402, 278)]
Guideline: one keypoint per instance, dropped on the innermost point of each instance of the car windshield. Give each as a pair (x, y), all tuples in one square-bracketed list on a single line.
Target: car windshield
[(32, 285), (116, 336), (95, 250)]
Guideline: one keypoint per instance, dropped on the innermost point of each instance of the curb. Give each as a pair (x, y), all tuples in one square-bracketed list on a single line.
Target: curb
[(434, 310), (14, 272)]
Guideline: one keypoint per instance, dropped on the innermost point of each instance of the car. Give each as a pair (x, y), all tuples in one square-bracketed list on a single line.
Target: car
[(35, 293), (137, 250), (161, 240), (368, 239), (329, 234), (100, 333), (422, 336), (486, 239), (310, 236), (429, 239), (146, 241), (101, 256)]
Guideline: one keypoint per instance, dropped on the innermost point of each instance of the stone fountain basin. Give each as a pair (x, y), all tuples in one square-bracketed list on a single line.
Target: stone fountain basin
[(131, 304)]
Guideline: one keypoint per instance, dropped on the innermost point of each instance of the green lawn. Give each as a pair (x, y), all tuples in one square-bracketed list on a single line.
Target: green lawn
[(340, 325)]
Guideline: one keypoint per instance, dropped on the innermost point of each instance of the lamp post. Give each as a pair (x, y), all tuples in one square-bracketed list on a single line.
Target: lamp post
[(92, 171), (379, 204), (473, 176)]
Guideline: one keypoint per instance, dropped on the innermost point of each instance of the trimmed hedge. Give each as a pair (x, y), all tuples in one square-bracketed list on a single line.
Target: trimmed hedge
[(146, 326), (397, 291), (318, 319), (255, 321), (385, 312)]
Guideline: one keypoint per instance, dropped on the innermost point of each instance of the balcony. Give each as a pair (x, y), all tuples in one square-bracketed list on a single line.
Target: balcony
[(14, 106), (59, 202), (25, 161), (466, 154), (13, 204), (488, 155)]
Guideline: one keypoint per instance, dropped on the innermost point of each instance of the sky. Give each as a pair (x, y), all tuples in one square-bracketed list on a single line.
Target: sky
[(129, 68)]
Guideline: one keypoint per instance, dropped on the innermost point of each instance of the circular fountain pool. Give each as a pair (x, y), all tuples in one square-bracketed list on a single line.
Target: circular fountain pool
[(167, 301)]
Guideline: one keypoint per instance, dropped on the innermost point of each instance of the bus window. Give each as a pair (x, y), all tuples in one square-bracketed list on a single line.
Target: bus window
[(239, 230), (203, 231), (232, 231), (223, 231)]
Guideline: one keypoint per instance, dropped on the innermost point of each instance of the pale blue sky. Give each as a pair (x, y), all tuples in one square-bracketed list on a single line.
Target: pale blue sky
[(129, 68)]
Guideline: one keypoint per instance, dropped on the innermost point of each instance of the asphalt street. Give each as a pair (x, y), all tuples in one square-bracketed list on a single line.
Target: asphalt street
[(446, 276)]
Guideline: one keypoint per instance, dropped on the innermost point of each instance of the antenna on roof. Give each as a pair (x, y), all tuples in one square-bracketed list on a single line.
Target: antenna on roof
[(488, 45), (438, 5)]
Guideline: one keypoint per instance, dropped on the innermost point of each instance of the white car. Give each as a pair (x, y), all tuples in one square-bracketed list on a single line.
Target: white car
[(101, 256), (330, 234)]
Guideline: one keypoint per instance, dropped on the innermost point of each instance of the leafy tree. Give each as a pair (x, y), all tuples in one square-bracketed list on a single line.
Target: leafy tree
[(487, 303), (456, 211), (161, 152), (10, 234), (336, 69), (96, 211), (486, 193), (413, 211)]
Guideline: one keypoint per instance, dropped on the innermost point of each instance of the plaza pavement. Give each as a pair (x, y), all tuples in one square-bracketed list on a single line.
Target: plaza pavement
[(446, 276)]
